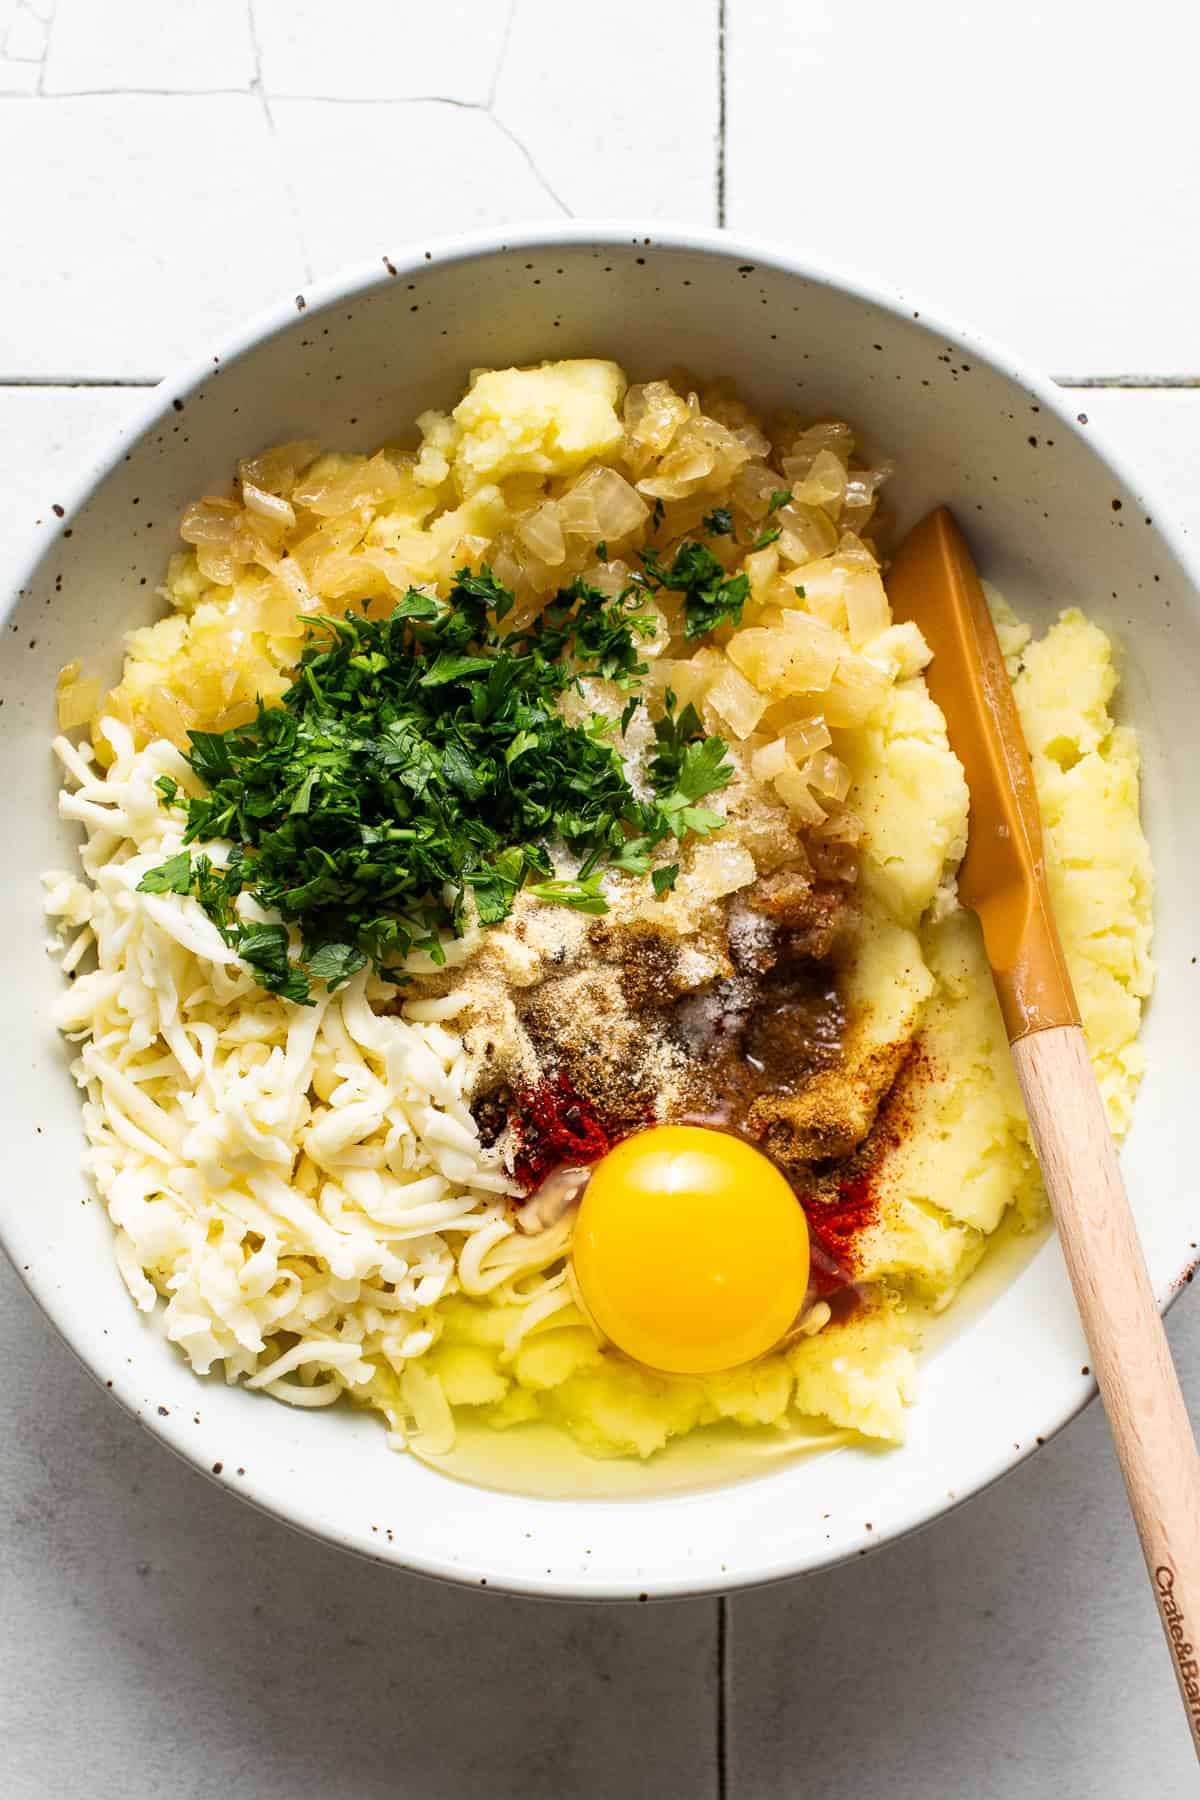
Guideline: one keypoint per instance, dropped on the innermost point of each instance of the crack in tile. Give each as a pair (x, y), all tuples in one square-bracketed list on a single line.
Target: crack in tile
[(28, 36), (513, 137), (382, 100), (472, 106), (47, 16), (501, 54), (40, 31), (527, 154), (139, 93), (259, 92)]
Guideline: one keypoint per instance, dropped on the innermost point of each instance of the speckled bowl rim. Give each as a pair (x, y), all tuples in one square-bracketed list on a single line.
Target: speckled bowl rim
[(284, 316)]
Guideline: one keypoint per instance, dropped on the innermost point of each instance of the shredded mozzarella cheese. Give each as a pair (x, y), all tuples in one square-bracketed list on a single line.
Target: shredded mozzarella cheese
[(299, 1184)]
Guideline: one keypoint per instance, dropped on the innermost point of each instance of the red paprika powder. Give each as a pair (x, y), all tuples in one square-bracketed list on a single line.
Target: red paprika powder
[(553, 1124), (835, 1222)]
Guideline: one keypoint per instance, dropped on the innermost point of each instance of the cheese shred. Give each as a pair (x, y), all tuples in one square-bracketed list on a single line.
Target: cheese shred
[(299, 1185)]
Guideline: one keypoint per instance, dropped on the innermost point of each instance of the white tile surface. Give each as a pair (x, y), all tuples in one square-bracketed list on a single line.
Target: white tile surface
[(1159, 432), (161, 1638), (1010, 1653), (175, 46), (153, 224), (158, 222), (393, 50), (160, 217), (22, 46), (156, 1636), (617, 104), (47, 437), (1032, 169), (18, 76), (24, 31), (461, 169)]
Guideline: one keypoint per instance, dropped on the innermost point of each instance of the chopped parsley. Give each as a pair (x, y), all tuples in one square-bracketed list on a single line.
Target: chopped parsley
[(718, 523), (768, 534), (599, 634), (710, 597), (172, 877), (168, 787), (420, 763), (686, 766)]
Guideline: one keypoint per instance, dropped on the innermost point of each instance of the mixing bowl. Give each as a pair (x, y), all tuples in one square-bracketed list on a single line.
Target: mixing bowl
[(1054, 517)]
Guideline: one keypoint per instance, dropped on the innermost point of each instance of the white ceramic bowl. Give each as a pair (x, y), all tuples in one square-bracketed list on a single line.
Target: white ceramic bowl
[(1054, 519)]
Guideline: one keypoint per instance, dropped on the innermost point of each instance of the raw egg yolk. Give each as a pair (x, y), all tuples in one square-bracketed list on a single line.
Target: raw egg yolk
[(690, 1250)]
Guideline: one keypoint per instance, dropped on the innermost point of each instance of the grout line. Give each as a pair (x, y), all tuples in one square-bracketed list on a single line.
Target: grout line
[(1127, 381), (721, 112), (722, 1741), (79, 381)]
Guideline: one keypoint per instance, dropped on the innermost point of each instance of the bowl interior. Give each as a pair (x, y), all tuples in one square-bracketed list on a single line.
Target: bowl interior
[(1052, 522)]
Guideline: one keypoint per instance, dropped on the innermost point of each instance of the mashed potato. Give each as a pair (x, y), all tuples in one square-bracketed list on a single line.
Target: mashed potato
[(544, 421), (841, 759)]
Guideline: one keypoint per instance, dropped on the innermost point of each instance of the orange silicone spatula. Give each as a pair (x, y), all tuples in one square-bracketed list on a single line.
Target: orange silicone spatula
[(1003, 879)]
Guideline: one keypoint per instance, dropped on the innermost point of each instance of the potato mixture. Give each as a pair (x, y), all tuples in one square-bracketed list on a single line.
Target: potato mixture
[(346, 1160)]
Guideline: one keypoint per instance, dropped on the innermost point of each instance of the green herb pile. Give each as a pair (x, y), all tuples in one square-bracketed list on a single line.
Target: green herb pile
[(710, 596), (423, 758)]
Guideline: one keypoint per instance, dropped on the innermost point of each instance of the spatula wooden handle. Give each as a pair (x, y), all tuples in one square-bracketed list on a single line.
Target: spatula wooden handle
[(1128, 1346)]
